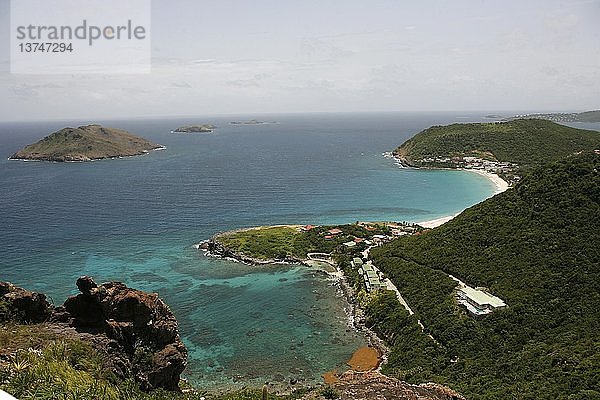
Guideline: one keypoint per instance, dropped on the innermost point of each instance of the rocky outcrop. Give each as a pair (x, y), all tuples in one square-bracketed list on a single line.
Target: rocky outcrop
[(140, 323), (136, 330), (215, 248), (22, 305), (375, 386)]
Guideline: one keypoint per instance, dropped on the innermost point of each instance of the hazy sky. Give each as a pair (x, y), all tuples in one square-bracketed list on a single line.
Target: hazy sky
[(271, 56)]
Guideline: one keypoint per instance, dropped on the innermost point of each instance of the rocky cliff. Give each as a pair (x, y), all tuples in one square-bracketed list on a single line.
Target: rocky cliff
[(137, 330)]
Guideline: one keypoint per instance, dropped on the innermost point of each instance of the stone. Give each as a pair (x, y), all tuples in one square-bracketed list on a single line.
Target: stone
[(85, 284), (140, 323), (24, 305)]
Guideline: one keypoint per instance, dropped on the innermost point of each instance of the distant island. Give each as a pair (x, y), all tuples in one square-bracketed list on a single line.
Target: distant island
[(204, 128), (86, 143), (586, 116), (252, 122)]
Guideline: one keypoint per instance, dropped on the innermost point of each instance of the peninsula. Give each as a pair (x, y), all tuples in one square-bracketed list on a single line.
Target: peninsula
[(586, 116), (305, 244), (204, 128), (86, 143), (522, 142), (507, 149)]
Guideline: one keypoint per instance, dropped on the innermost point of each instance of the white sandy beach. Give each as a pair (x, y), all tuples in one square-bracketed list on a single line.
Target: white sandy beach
[(501, 186), (436, 222)]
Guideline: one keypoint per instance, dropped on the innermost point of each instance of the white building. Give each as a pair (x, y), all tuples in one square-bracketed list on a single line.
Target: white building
[(477, 301)]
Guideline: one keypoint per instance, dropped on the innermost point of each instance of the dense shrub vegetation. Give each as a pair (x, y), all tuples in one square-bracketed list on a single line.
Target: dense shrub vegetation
[(536, 246)]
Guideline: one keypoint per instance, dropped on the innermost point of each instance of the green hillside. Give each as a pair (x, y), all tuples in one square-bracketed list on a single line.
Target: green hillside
[(536, 246), (523, 141), (90, 142)]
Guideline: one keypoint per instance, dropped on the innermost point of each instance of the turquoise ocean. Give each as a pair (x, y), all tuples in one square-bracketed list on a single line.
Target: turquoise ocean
[(136, 220)]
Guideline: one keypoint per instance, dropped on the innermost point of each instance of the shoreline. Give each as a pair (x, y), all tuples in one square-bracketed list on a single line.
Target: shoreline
[(500, 184), (142, 153), (434, 223), (356, 317)]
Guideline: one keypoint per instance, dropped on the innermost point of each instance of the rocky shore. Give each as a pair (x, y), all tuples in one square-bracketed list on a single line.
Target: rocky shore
[(136, 330), (357, 320), (375, 386)]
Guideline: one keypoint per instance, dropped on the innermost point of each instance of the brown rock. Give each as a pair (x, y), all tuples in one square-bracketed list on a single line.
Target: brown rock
[(24, 305), (85, 284), (85, 312), (375, 386), (140, 323)]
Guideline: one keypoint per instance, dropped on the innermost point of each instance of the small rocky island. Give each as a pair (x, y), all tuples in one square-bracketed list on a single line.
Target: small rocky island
[(86, 143), (204, 128)]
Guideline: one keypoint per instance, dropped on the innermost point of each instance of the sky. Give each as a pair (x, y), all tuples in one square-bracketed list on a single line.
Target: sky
[(287, 56)]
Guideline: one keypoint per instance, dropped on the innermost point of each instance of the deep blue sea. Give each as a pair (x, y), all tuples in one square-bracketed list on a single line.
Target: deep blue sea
[(136, 220)]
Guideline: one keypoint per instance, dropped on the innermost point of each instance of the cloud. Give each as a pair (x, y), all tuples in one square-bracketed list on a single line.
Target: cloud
[(243, 82), (561, 20), (24, 90), (207, 61), (181, 85), (549, 71)]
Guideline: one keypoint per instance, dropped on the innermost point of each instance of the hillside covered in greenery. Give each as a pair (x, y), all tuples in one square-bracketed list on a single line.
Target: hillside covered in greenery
[(536, 246), (522, 141), (90, 142)]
